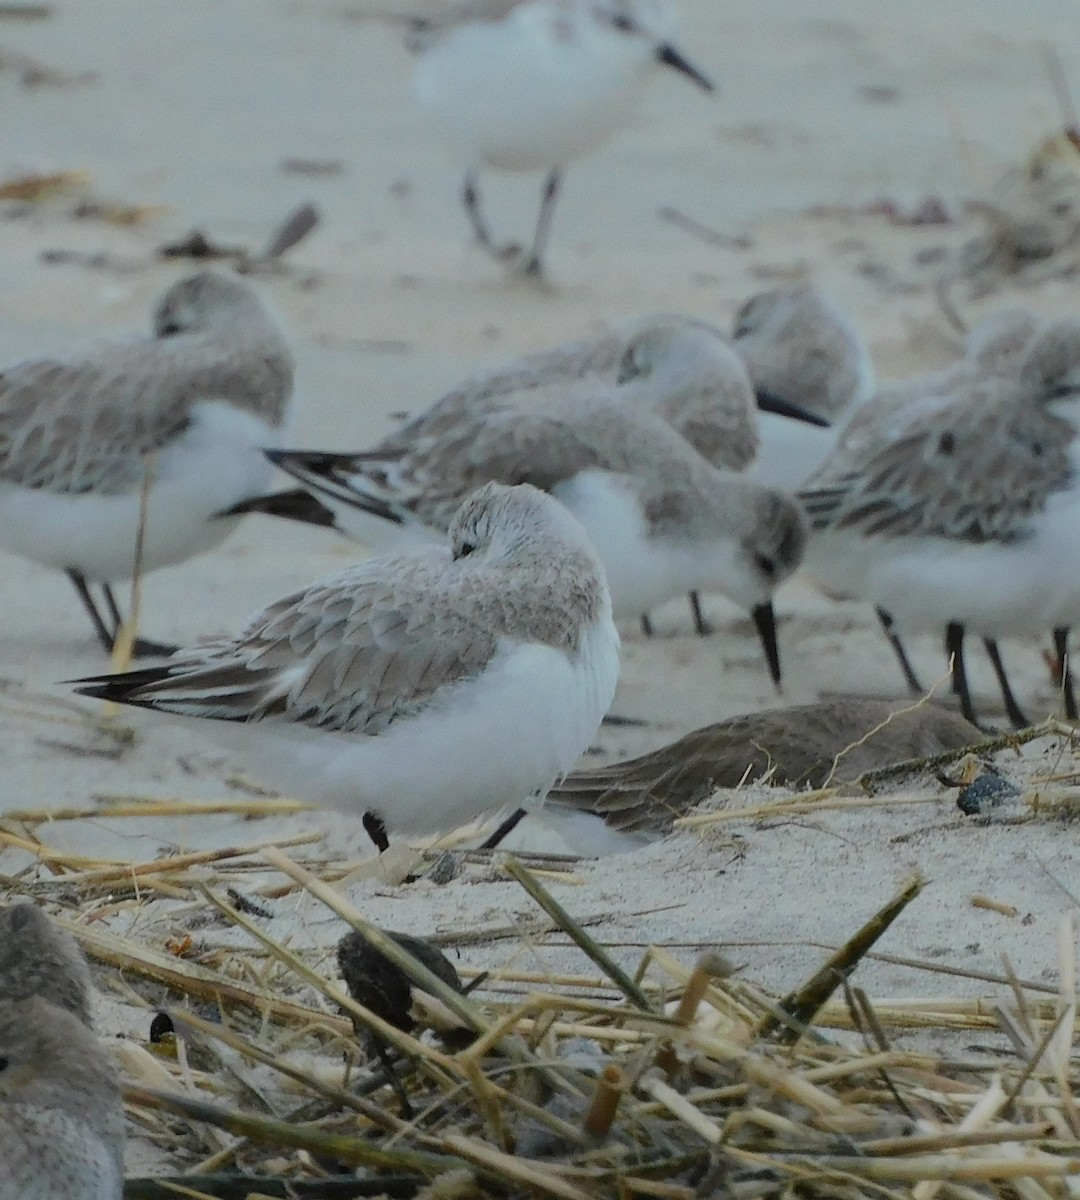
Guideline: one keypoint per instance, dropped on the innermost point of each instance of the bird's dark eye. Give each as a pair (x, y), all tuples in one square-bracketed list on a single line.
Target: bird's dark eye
[(4, 1062), (465, 548), (619, 21), (168, 330), (766, 566)]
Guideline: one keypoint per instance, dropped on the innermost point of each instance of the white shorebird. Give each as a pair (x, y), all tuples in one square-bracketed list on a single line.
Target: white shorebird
[(61, 1119), (709, 396), (39, 958), (168, 426), (962, 510), (803, 351), (799, 344), (419, 689), (530, 85), (664, 520), (995, 350)]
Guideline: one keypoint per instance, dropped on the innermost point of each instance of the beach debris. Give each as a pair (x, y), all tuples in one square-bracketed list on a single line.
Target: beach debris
[(34, 73), (312, 166), (382, 986), (564, 1095), (704, 233), (12, 10), (1031, 227), (35, 188), (986, 792), (198, 245)]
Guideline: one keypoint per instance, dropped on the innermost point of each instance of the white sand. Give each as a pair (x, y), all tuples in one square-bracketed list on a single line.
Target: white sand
[(195, 106)]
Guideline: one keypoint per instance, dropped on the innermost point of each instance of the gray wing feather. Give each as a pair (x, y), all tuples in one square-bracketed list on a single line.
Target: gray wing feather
[(978, 475), (88, 424), (352, 655), (510, 446)]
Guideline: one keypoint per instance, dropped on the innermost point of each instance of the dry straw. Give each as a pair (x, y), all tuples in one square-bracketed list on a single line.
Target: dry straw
[(678, 1079)]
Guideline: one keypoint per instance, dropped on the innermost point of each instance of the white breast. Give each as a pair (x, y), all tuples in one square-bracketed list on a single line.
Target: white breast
[(490, 742), (214, 464)]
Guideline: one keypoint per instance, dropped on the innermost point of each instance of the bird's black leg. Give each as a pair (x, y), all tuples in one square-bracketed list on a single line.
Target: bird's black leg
[(646, 625), (532, 264), (1061, 645), (78, 580), (1015, 712), (507, 827), (376, 830), (889, 630), (701, 627), (141, 647), (470, 197), (954, 652)]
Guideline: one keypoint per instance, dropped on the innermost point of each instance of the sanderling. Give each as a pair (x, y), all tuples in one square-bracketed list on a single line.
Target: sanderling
[(706, 391), (798, 343), (61, 1120), (995, 349), (699, 386), (419, 689), (39, 958), (810, 745), (171, 426), (530, 85), (800, 347), (663, 519), (962, 509)]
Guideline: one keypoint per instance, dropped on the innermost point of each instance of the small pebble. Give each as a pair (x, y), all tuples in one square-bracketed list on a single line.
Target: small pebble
[(985, 793), (445, 869)]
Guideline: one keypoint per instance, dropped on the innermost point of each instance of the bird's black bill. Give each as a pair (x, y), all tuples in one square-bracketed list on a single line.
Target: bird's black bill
[(765, 624), (670, 57), (296, 505), (771, 403)]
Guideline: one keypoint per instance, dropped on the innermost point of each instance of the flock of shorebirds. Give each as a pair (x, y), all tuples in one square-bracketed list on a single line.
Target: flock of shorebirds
[(536, 504), (469, 664)]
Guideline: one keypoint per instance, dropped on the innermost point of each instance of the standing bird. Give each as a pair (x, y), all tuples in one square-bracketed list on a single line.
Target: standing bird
[(799, 344), (801, 349), (706, 395), (417, 689), (963, 509), (676, 367), (530, 85), (61, 1120), (118, 459), (994, 354)]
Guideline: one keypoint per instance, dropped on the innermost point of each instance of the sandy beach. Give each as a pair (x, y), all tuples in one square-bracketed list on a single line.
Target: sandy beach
[(224, 117)]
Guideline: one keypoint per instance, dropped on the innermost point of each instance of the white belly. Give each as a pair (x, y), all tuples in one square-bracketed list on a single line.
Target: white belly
[(512, 95), (995, 590), (493, 742), (789, 451), (215, 464), (642, 571)]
